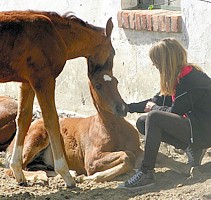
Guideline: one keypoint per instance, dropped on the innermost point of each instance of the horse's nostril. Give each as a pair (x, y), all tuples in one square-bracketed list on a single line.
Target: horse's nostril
[(119, 108)]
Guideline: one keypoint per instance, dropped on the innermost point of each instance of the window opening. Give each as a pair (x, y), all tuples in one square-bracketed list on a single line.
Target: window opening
[(159, 4)]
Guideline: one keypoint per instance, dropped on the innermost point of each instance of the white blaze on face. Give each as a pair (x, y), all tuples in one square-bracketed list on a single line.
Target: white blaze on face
[(107, 77)]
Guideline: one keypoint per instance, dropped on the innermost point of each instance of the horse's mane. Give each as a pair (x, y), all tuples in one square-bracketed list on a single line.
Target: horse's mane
[(69, 17)]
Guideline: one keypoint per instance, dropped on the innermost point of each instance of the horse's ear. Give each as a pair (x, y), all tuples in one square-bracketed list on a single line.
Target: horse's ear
[(109, 27), (92, 68), (109, 64), (89, 64)]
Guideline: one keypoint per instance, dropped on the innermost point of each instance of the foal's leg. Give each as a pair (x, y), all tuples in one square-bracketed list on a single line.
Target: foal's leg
[(36, 141), (45, 96), (108, 166), (23, 120)]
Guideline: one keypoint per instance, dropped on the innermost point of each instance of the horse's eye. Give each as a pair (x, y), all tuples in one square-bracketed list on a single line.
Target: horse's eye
[(98, 86)]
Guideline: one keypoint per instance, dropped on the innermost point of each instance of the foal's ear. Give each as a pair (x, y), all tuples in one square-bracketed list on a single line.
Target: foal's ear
[(109, 27)]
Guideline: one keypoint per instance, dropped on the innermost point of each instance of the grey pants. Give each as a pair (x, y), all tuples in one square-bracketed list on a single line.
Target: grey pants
[(160, 126)]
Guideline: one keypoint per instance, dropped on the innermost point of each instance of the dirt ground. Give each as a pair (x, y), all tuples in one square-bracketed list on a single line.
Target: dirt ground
[(170, 185)]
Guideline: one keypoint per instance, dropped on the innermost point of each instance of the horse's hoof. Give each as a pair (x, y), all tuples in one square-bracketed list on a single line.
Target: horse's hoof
[(72, 185), (23, 184)]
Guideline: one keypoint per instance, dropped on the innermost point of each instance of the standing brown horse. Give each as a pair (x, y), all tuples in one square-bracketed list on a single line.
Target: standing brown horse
[(102, 146), (34, 48)]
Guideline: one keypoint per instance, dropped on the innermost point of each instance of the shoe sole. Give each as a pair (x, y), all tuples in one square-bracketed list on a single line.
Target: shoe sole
[(202, 155), (201, 158), (149, 186)]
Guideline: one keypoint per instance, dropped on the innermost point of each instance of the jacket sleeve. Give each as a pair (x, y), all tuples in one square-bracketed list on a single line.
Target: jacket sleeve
[(137, 107), (158, 99)]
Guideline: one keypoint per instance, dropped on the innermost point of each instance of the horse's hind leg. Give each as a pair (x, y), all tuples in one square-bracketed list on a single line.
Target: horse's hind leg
[(45, 96), (23, 120)]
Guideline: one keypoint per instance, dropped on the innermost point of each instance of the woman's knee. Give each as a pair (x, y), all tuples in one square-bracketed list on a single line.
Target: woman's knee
[(155, 115), (140, 123)]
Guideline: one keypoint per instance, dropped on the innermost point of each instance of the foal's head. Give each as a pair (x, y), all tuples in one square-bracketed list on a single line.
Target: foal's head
[(103, 87)]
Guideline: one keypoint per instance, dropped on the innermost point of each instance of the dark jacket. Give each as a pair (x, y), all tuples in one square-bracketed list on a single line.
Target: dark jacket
[(193, 98)]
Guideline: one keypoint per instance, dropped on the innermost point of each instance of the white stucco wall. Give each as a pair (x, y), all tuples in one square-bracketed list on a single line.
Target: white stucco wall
[(137, 78), (197, 15)]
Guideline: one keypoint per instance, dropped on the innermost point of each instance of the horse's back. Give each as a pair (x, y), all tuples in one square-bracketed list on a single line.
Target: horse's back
[(74, 131), (31, 47)]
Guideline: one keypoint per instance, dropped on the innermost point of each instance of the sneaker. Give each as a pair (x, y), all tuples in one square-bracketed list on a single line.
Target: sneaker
[(194, 156), (139, 180)]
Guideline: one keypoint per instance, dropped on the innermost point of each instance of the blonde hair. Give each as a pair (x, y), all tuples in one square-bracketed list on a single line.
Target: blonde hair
[(169, 56)]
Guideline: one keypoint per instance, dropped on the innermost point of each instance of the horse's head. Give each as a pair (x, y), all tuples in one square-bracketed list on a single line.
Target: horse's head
[(103, 87), (103, 49)]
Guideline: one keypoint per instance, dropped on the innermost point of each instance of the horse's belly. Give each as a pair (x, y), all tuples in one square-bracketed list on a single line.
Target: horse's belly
[(8, 74)]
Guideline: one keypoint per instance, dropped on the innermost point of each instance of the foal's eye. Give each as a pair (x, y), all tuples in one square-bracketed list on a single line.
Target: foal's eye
[(98, 86)]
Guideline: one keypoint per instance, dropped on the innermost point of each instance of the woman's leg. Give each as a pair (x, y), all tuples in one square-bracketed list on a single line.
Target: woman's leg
[(140, 124), (157, 124), (163, 126), (167, 138)]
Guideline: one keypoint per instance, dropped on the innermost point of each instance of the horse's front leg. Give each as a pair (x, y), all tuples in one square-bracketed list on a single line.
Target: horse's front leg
[(108, 166), (23, 120), (45, 95)]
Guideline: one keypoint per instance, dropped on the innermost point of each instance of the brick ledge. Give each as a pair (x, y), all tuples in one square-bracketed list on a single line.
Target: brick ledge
[(151, 20)]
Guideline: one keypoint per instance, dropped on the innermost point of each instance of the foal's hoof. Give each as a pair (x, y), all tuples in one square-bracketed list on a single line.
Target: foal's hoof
[(23, 184), (80, 178)]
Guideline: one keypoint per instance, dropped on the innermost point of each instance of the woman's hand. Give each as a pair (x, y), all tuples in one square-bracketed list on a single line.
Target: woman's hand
[(148, 106)]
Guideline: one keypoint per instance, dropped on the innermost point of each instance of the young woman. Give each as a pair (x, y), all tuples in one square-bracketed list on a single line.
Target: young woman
[(179, 115)]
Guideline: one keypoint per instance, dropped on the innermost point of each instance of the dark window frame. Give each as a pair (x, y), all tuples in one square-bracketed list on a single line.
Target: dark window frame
[(155, 4)]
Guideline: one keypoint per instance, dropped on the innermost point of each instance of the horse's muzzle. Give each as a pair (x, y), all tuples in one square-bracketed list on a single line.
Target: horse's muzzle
[(121, 110)]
